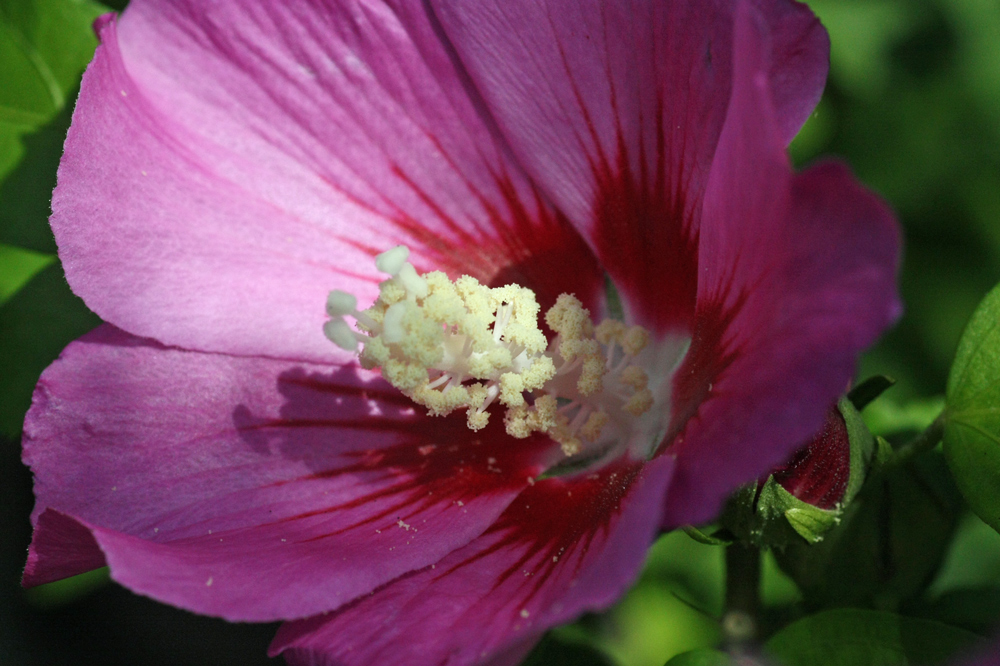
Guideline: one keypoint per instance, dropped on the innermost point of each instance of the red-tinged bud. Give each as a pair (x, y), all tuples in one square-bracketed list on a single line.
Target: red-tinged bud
[(805, 497), (818, 473)]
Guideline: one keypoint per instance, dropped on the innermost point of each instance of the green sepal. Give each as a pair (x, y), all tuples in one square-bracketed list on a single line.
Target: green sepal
[(812, 523), (867, 391), (769, 516), (864, 448), (774, 517)]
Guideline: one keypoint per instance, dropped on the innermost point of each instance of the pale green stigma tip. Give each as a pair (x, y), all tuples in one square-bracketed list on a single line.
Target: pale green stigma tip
[(340, 303), (391, 261), (340, 334)]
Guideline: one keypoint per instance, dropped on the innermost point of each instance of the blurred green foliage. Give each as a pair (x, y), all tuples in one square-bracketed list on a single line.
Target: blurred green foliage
[(913, 104), (853, 637), (43, 50)]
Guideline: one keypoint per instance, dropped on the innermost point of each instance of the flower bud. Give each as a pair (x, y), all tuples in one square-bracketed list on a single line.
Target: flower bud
[(805, 497)]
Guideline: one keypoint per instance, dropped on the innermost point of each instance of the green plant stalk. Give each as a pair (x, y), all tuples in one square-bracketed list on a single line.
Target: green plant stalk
[(742, 607), (922, 443)]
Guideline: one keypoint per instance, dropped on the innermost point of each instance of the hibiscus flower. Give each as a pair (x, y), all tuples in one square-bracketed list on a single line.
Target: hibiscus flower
[(230, 163)]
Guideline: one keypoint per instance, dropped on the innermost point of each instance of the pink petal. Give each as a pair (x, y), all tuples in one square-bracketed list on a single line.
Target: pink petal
[(229, 165), (250, 488), (563, 547), (798, 275), (615, 110), (61, 547)]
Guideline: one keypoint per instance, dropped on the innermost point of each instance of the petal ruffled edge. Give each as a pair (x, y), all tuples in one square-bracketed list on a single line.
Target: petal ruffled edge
[(251, 489), (797, 275)]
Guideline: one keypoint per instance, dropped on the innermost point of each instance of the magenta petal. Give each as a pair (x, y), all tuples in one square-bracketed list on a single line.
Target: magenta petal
[(562, 548), (60, 547), (229, 165), (615, 110), (249, 488), (797, 276)]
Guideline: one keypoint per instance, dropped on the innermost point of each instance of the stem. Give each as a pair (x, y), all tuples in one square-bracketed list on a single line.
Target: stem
[(923, 442), (739, 620)]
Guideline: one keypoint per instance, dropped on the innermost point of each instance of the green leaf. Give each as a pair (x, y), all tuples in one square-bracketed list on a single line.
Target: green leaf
[(67, 590), (853, 637), (701, 657), (44, 46), (35, 325), (17, 266), (972, 425)]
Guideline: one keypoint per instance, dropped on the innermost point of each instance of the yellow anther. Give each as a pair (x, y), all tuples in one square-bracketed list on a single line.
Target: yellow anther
[(477, 420), (538, 373), (524, 420), (635, 340), (390, 292), (422, 338), (545, 411), (590, 381), (639, 403), (440, 403), (569, 318), (570, 349), (516, 422), (443, 303), (404, 376), (463, 346), (570, 446), (609, 331), (475, 297), (635, 377), (375, 354), (477, 395), (511, 389), (591, 430)]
